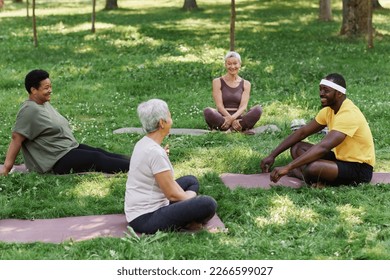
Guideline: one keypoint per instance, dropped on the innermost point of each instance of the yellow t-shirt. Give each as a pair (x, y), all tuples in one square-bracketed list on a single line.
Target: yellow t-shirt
[(358, 146)]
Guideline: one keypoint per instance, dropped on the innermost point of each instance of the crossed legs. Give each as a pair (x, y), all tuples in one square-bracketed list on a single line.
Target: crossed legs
[(214, 119), (321, 170), (187, 214)]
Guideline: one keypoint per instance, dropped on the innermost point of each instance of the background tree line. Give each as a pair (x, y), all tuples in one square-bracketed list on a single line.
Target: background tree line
[(356, 16)]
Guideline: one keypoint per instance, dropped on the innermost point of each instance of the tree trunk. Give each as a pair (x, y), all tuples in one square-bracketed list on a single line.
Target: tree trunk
[(93, 15), (27, 8), (370, 33), (111, 5), (232, 24), (356, 18), (34, 24), (190, 5), (325, 10), (1, 3), (17, 1)]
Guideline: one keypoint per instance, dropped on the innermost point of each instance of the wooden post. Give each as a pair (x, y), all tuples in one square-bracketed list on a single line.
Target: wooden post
[(370, 31), (232, 24), (34, 24), (325, 10), (93, 15)]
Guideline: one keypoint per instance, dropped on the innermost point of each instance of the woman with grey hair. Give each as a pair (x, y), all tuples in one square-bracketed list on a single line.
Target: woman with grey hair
[(231, 96), (154, 200)]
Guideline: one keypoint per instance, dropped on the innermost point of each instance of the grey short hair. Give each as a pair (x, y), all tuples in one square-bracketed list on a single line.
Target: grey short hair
[(151, 112), (233, 54)]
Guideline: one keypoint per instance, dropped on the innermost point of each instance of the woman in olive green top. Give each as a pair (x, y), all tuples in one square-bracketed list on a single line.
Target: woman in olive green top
[(47, 141)]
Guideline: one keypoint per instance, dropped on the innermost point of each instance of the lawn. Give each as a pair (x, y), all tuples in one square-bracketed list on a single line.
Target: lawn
[(153, 49)]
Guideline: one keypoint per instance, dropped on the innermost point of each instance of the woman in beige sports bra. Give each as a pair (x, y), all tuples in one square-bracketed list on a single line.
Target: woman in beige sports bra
[(231, 96)]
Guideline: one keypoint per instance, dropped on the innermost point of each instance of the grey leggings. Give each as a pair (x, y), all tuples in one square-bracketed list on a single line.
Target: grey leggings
[(177, 215), (214, 119)]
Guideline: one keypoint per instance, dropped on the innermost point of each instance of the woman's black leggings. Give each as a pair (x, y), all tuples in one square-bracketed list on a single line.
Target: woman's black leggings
[(85, 158), (177, 215)]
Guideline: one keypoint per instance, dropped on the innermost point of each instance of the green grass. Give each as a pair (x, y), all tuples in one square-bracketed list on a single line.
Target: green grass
[(149, 49)]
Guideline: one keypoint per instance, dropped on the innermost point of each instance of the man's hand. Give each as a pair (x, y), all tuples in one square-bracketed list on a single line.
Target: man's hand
[(3, 171), (266, 163), (278, 173)]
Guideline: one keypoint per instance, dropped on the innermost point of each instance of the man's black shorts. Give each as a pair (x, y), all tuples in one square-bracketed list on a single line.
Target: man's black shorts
[(350, 173)]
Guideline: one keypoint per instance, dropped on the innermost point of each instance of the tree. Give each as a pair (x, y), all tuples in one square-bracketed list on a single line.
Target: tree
[(232, 24), (17, 1), (1, 3), (93, 15), (357, 18), (111, 5), (34, 24), (190, 5), (325, 10)]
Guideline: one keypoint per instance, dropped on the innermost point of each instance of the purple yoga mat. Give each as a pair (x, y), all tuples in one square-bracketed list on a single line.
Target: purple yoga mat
[(72, 228), (262, 180)]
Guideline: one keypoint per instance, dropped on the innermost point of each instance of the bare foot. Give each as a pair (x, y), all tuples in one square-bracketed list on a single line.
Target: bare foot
[(217, 230), (194, 226), (318, 185)]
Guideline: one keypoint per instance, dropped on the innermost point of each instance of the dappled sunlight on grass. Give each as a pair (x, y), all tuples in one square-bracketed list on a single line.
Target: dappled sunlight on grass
[(84, 49), (382, 165), (350, 215), (202, 160), (48, 10), (269, 69), (86, 27), (137, 40), (237, 242), (279, 22), (283, 210), (191, 25), (146, 4), (284, 113), (94, 187), (379, 251), (307, 19), (184, 58)]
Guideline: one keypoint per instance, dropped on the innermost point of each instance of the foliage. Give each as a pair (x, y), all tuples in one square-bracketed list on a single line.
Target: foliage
[(147, 49)]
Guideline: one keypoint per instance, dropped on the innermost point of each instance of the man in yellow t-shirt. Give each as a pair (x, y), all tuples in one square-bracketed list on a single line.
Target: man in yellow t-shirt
[(345, 156)]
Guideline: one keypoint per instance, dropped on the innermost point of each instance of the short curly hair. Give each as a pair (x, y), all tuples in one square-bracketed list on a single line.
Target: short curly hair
[(33, 79)]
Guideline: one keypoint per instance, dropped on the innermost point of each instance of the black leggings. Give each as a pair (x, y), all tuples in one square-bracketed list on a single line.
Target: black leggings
[(85, 158), (177, 215)]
